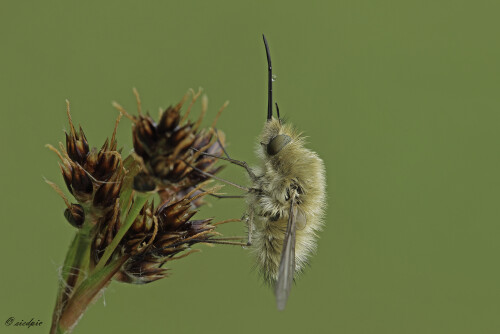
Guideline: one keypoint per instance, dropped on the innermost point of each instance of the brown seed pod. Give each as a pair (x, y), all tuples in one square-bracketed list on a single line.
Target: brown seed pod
[(75, 215)]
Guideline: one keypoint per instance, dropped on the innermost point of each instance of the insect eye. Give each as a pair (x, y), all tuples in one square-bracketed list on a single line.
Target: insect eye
[(277, 143)]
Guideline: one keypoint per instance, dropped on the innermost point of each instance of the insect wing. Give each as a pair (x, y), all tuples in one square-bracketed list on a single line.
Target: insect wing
[(301, 219), (287, 264)]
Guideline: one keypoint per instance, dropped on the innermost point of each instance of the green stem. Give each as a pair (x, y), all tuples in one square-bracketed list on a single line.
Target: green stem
[(133, 167), (139, 201), (71, 270), (125, 202)]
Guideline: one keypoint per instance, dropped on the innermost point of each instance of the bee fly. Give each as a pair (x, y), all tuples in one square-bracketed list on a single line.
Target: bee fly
[(286, 200)]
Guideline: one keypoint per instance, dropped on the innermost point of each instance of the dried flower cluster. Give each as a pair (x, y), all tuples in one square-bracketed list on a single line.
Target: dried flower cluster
[(121, 234), (93, 177), (156, 236)]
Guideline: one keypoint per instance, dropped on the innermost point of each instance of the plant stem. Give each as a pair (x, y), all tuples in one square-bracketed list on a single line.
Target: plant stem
[(71, 271), (86, 293), (132, 167)]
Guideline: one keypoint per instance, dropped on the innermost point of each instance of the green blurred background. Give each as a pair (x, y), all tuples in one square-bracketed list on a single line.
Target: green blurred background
[(400, 99)]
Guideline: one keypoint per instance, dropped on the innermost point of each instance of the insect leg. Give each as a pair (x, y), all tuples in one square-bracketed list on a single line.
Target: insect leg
[(220, 242), (236, 162), (224, 196), (249, 221), (227, 196), (216, 178)]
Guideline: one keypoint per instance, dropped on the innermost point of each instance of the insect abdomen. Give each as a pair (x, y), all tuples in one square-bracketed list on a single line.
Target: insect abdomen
[(271, 214), (297, 170)]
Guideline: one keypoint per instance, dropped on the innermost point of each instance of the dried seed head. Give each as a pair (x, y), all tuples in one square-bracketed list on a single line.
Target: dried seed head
[(165, 148), (155, 239), (94, 177)]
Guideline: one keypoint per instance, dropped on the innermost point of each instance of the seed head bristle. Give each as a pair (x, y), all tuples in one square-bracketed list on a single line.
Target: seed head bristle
[(138, 99), (204, 108), (113, 136), (193, 100), (219, 113), (183, 100), (73, 132), (118, 107), (59, 192), (53, 149)]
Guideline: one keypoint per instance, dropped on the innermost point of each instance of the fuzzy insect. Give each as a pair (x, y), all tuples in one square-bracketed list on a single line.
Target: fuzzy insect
[(286, 200)]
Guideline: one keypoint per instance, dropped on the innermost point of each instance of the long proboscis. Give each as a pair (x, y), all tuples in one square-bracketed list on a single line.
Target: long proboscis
[(269, 81)]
